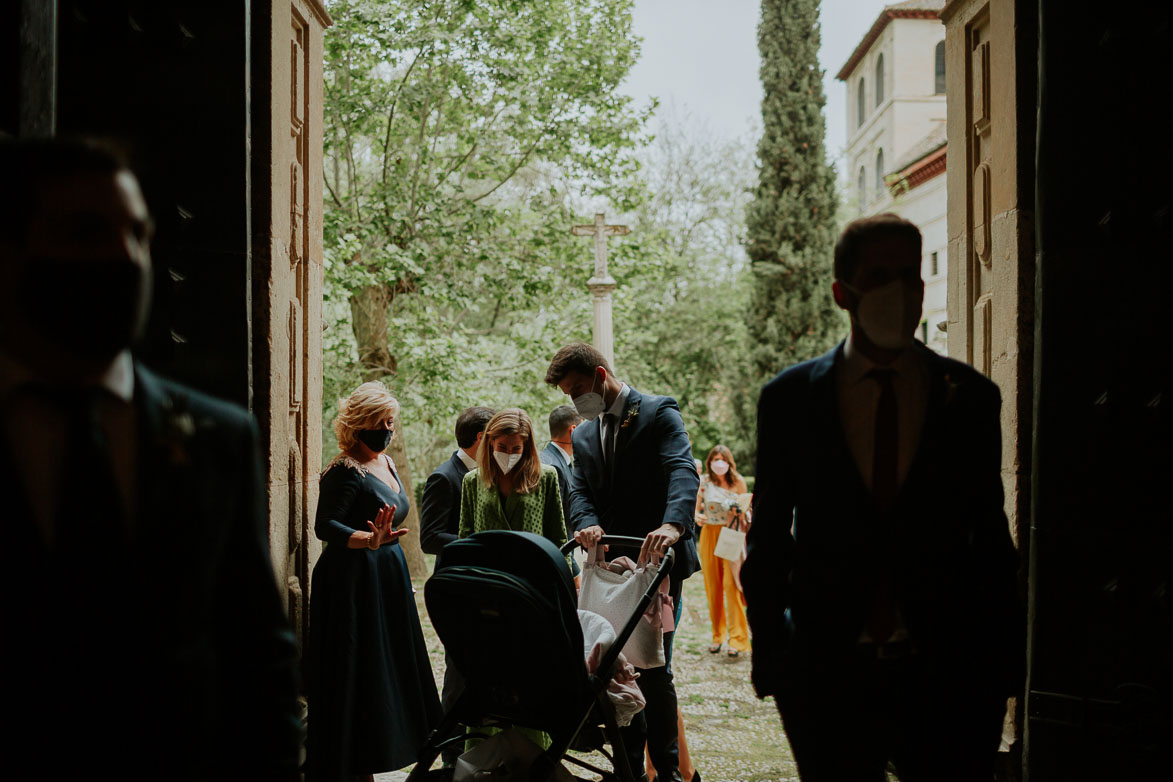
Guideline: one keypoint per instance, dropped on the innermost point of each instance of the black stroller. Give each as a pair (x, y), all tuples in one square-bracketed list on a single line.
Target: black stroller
[(504, 605)]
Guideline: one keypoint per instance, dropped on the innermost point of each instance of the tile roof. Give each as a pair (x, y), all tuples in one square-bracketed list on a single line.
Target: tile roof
[(921, 149), (909, 9)]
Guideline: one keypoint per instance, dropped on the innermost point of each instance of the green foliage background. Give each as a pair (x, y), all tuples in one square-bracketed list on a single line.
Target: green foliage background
[(792, 219), (464, 138)]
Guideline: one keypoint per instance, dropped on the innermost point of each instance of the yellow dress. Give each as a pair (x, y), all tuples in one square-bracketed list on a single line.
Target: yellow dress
[(726, 601)]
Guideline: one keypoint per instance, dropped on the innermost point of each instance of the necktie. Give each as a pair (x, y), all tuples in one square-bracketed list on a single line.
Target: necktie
[(609, 438), (885, 483)]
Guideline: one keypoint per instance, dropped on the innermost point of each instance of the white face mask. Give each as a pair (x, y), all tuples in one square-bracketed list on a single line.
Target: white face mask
[(589, 405), (888, 314), (719, 466), (506, 461)]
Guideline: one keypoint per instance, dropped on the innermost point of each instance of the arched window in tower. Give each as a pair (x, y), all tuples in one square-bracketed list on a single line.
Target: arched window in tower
[(939, 70), (879, 173), (863, 187), (860, 106), (879, 80)]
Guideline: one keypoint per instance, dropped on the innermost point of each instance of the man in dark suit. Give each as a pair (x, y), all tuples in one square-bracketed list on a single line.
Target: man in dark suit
[(143, 625), (559, 452), (634, 475), (880, 575), (440, 521), (440, 505)]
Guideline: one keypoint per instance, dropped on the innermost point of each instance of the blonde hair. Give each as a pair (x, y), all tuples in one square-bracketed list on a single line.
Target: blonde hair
[(367, 407), (528, 472)]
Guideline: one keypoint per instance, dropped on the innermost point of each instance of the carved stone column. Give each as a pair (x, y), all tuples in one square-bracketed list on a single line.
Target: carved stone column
[(991, 106), (287, 275)]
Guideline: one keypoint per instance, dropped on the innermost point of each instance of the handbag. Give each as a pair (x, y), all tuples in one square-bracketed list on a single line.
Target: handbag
[(730, 543), (615, 596)]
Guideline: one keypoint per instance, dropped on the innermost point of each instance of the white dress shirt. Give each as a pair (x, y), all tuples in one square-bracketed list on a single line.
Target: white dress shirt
[(34, 432), (468, 461), (859, 396)]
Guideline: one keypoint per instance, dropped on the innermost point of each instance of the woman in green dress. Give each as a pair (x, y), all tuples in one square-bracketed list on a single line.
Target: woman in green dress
[(512, 490)]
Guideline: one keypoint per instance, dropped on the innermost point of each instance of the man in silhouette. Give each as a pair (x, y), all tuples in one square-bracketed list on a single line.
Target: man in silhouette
[(880, 575), (143, 624)]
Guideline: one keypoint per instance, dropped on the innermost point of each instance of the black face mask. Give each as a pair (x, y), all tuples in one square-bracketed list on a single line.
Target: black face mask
[(92, 308), (375, 439)]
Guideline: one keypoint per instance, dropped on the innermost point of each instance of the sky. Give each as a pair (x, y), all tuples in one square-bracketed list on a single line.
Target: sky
[(701, 57)]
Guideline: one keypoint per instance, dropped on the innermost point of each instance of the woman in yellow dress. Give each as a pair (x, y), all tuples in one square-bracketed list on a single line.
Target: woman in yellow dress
[(718, 505)]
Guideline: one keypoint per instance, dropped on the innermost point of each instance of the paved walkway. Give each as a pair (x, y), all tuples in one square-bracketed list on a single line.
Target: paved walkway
[(733, 736)]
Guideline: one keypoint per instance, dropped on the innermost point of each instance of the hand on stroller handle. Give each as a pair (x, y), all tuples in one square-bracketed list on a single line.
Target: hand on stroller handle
[(622, 541)]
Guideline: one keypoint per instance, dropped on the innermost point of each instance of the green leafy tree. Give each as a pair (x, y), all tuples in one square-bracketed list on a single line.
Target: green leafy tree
[(684, 280), (455, 130), (791, 221)]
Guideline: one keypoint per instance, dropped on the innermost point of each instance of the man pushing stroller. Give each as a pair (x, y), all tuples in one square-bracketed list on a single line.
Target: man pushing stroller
[(634, 475)]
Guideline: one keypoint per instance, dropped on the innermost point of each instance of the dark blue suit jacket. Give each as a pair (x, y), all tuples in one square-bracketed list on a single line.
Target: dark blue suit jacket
[(440, 505), (556, 458), (184, 627), (652, 479), (817, 537)]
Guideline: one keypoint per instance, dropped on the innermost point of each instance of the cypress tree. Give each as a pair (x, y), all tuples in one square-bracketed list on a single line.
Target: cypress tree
[(791, 221)]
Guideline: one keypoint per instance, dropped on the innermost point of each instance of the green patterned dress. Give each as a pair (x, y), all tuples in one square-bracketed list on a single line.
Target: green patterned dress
[(539, 511)]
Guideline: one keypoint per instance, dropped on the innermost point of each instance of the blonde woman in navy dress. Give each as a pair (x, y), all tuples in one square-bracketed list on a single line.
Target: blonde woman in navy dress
[(372, 697)]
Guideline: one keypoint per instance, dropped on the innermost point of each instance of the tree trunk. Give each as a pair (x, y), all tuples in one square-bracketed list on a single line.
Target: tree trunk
[(369, 310)]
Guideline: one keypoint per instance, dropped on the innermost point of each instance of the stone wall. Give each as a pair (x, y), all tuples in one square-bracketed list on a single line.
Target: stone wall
[(991, 219), (287, 279)]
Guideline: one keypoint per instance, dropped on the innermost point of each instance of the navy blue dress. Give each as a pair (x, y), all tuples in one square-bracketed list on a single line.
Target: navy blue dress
[(372, 697)]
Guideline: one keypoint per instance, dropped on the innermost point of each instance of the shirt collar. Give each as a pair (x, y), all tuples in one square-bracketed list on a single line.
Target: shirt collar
[(467, 460), (616, 408), (118, 377), (856, 365)]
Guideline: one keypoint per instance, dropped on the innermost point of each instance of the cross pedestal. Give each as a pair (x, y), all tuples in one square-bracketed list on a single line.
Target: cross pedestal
[(602, 284)]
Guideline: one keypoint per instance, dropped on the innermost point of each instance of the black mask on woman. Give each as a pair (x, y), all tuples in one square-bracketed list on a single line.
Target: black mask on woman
[(375, 439)]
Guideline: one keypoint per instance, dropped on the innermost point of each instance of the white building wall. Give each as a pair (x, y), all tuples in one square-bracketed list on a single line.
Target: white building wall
[(909, 112), (925, 206)]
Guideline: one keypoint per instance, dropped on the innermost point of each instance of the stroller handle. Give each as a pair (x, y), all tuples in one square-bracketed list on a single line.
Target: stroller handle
[(622, 541)]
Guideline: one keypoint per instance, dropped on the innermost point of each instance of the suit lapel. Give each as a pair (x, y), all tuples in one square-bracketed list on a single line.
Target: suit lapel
[(825, 408), (934, 407), (22, 529), (629, 423), (164, 469)]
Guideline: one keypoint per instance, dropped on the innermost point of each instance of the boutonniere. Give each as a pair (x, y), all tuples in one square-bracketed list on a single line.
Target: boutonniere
[(950, 389), (632, 412), (177, 430)]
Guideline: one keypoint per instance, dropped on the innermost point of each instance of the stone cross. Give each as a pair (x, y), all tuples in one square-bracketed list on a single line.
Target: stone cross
[(602, 284)]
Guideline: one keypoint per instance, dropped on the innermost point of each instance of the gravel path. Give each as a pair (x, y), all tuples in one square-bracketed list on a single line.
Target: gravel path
[(733, 736)]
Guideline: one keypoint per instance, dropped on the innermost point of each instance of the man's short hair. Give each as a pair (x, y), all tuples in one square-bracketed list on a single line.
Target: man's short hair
[(576, 357), (860, 232), (471, 423), (26, 163), (563, 417)]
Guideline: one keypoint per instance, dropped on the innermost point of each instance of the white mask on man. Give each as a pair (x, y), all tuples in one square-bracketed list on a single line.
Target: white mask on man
[(506, 461), (719, 466), (589, 405), (888, 314)]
